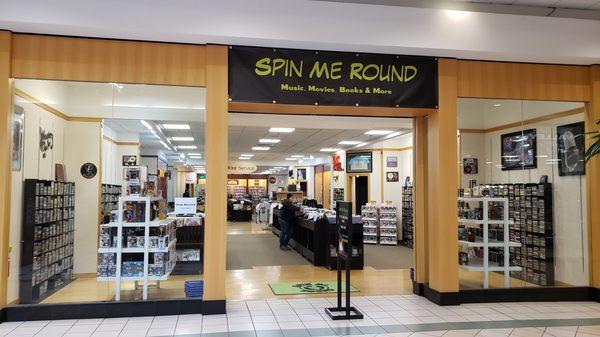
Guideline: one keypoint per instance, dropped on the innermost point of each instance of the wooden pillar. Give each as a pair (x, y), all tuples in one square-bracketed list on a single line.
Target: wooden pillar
[(442, 182), (420, 197), (592, 173), (215, 237), (5, 159)]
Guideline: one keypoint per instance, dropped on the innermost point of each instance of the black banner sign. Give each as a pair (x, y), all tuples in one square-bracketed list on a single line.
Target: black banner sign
[(331, 78), (344, 222)]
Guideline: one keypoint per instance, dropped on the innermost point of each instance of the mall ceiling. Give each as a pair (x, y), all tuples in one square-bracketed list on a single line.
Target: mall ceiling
[(577, 9), (424, 27)]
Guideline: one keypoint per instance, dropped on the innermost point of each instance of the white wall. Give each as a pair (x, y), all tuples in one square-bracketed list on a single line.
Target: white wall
[(112, 155), (282, 181), (570, 232), (82, 145)]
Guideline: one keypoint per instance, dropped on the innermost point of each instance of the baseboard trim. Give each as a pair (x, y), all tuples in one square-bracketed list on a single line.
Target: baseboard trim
[(538, 294), (30, 312), (441, 298), (418, 288)]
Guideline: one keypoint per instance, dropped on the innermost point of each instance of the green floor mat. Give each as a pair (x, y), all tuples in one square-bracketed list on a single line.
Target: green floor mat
[(303, 288)]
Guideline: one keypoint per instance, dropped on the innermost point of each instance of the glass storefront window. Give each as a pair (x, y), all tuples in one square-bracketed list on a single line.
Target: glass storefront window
[(98, 169), (521, 161)]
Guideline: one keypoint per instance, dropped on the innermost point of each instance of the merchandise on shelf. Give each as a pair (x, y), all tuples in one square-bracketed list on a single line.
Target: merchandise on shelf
[(380, 224), (110, 198), (370, 221), (407, 217), (47, 238)]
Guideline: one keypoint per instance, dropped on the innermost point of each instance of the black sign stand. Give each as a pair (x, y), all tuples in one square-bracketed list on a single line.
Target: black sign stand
[(344, 254)]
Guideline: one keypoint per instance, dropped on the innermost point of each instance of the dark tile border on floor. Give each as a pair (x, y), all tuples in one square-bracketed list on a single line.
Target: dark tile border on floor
[(532, 294), (369, 330)]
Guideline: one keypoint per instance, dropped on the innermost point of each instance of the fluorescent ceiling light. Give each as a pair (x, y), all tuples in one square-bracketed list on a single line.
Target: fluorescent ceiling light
[(165, 145), (245, 158), (195, 157), (329, 149), (269, 141), (194, 154), (378, 132), (282, 130), (457, 14), (497, 105), (247, 155), (349, 142), (260, 148), (147, 125), (297, 156), (182, 139), (188, 147), (392, 135), (176, 126), (292, 159)]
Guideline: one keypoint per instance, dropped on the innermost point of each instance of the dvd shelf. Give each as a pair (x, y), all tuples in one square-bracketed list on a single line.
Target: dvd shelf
[(407, 217), (483, 234), (530, 209), (47, 239), (257, 192), (137, 246), (110, 197), (239, 192), (370, 223), (388, 224)]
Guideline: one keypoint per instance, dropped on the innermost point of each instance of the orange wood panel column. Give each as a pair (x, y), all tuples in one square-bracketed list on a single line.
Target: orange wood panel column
[(442, 182), (420, 197), (215, 237), (592, 172), (5, 159)]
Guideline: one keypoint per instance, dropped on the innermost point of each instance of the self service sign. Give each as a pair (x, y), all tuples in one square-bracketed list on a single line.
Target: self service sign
[(289, 76)]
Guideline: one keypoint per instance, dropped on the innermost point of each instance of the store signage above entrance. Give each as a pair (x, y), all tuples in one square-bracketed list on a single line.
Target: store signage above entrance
[(237, 167), (287, 76)]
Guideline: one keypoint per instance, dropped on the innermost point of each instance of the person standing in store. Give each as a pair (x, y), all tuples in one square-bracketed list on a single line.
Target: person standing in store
[(286, 221), (186, 194)]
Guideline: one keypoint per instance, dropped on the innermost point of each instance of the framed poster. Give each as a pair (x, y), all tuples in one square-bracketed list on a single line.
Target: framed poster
[(391, 161), (391, 177), (17, 138), (88, 170), (129, 160), (470, 166), (359, 162), (337, 163), (570, 145), (301, 174), (518, 150)]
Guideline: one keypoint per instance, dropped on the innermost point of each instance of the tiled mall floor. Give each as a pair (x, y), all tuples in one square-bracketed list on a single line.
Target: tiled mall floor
[(399, 316)]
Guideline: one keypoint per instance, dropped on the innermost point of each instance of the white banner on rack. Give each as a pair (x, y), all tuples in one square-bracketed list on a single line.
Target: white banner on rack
[(185, 205)]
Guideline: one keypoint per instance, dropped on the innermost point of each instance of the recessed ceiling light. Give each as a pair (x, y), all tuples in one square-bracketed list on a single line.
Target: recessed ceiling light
[(457, 14), (497, 105), (245, 158), (182, 139), (292, 159), (194, 154), (260, 148), (297, 156), (361, 145), (378, 132), (282, 130), (147, 125), (349, 142), (329, 149), (176, 126), (392, 135), (269, 141), (187, 147)]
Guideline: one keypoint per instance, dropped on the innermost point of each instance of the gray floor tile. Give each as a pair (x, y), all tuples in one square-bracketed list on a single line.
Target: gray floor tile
[(371, 329), (395, 328), (321, 332), (347, 331), (296, 333), (242, 333), (269, 333)]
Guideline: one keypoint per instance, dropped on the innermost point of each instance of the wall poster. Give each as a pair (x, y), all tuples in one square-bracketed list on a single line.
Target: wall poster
[(391, 177), (288, 76), (391, 161), (470, 165), (570, 141), (519, 150)]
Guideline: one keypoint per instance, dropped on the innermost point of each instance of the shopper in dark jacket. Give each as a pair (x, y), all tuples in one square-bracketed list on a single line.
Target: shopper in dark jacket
[(286, 221)]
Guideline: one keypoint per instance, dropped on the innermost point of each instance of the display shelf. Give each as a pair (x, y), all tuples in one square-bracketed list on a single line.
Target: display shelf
[(477, 240), (142, 262), (47, 239), (407, 217)]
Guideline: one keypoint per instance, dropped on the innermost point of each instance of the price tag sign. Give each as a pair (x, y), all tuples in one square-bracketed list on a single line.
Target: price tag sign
[(185, 205)]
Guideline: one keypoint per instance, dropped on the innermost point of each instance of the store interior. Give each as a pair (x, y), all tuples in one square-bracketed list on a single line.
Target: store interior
[(305, 156), (91, 158), (530, 154)]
